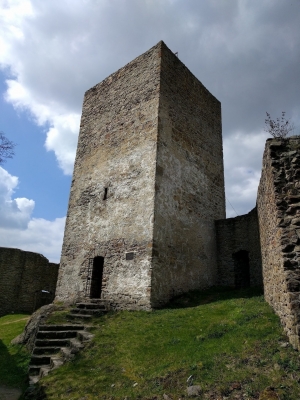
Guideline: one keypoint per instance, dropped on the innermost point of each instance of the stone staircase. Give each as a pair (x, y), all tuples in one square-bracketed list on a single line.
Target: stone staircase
[(56, 344), (85, 311)]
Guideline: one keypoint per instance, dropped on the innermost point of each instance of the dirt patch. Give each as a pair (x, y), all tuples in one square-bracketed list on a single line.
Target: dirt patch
[(7, 393)]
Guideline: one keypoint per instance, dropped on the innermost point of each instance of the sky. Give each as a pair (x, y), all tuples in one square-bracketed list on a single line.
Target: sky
[(245, 52)]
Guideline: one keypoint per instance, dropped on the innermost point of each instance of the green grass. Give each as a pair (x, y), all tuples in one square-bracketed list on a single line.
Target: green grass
[(58, 317), (229, 343), (14, 359)]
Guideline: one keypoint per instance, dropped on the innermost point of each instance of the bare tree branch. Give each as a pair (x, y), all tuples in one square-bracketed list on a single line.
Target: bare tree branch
[(6, 148), (279, 128)]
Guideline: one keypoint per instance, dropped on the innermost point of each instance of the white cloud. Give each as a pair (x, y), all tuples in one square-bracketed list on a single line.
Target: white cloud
[(63, 131), (19, 230), (62, 139), (40, 236), (242, 171), (14, 213)]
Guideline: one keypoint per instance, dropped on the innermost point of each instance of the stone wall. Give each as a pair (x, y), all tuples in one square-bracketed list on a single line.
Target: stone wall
[(23, 276), (111, 204), (278, 205), (189, 189), (238, 237)]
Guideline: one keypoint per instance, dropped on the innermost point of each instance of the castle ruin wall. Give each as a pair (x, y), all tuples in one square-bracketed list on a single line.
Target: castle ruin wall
[(238, 244), (23, 276), (278, 205)]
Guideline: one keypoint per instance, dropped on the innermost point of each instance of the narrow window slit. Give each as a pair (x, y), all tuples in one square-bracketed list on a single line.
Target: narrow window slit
[(105, 193)]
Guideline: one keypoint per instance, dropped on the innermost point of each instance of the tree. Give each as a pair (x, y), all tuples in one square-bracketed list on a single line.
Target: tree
[(279, 128), (6, 148)]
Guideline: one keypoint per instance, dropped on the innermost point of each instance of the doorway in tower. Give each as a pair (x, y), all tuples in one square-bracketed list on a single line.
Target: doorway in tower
[(95, 277), (241, 269)]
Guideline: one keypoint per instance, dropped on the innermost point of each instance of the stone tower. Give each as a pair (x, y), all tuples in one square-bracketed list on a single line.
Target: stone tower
[(148, 184)]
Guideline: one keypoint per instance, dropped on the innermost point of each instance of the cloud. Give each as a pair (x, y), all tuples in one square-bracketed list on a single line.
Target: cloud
[(62, 139), (242, 171), (246, 53), (14, 213), (40, 236), (63, 127), (19, 230)]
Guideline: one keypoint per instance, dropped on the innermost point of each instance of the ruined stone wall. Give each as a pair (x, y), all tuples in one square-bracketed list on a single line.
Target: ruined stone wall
[(234, 235), (189, 187), (111, 202), (278, 205), (23, 275)]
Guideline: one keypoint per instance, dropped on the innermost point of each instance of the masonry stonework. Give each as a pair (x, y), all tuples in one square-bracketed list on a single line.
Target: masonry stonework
[(189, 183), (147, 186), (23, 276), (238, 251), (278, 204), (111, 206)]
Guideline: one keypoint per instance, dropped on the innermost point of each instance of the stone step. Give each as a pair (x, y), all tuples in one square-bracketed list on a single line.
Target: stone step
[(41, 365), (56, 361), (77, 344), (85, 317), (33, 379), (56, 344), (85, 336), (99, 301), (91, 306), (84, 311), (52, 342), (56, 334), (46, 350), (68, 353), (45, 371), (68, 327), (34, 370), (40, 360)]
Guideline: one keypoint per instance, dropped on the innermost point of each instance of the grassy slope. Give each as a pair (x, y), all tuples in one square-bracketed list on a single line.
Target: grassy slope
[(13, 359), (230, 343)]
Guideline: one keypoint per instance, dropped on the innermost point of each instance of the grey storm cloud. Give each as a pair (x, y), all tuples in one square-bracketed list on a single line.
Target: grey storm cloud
[(245, 52)]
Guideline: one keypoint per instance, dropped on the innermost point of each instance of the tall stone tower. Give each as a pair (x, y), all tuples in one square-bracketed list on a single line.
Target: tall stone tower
[(147, 186)]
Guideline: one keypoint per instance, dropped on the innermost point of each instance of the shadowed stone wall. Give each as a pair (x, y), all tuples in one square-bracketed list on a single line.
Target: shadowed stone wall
[(278, 205), (147, 186), (235, 236), (23, 276), (189, 186)]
